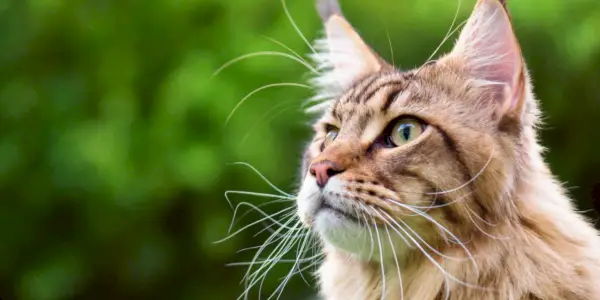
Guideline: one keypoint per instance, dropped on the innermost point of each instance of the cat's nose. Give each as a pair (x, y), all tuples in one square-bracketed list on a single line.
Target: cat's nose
[(324, 170)]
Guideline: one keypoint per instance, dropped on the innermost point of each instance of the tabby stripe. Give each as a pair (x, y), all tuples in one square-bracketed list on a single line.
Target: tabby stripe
[(372, 92), (451, 145), (336, 114), (466, 172), (449, 213), (391, 97), (366, 86)]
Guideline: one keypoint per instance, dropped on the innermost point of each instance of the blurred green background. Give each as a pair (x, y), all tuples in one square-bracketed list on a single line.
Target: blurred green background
[(114, 151)]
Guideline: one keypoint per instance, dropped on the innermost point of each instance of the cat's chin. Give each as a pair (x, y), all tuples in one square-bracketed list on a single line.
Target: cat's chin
[(345, 233)]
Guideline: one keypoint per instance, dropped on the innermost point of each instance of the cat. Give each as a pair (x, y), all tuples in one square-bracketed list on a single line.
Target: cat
[(430, 183)]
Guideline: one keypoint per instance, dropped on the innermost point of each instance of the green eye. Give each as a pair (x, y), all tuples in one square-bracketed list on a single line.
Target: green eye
[(405, 131), (330, 137)]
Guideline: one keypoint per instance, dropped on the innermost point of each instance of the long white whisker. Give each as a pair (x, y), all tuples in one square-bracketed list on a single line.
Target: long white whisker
[(287, 48), (383, 291), (277, 239), (407, 227), (289, 244), (271, 117), (281, 249), (387, 33), (251, 194), (246, 277), (267, 217), (449, 33), (397, 264), (315, 262), (428, 207), (444, 229), (288, 195), (370, 233), (243, 263), (281, 286), (469, 181), (260, 211), (235, 211), (262, 53), (483, 231), (288, 215), (292, 84), (480, 218), (428, 256), (289, 16)]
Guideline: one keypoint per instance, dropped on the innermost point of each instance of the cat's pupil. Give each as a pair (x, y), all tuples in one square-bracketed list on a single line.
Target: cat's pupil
[(406, 130)]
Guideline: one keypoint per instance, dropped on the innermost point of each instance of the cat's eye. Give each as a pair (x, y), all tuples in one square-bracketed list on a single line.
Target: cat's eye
[(332, 133), (404, 131)]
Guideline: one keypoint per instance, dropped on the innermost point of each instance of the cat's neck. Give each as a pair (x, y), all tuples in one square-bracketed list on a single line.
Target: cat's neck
[(545, 237)]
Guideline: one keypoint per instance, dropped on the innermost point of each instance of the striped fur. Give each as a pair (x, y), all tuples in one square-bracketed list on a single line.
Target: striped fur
[(468, 210)]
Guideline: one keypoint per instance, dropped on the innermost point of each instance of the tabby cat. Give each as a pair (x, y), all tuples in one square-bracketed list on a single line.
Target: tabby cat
[(430, 183)]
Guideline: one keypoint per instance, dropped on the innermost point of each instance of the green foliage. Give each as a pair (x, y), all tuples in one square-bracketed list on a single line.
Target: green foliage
[(113, 146)]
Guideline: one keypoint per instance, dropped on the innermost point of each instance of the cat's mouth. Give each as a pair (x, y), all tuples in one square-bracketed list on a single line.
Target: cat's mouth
[(327, 207)]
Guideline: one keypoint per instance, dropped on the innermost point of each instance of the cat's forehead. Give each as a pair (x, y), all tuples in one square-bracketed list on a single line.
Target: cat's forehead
[(389, 93), (429, 88), (374, 94)]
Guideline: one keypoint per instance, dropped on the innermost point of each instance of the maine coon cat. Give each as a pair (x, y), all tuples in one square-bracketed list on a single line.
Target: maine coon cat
[(430, 183)]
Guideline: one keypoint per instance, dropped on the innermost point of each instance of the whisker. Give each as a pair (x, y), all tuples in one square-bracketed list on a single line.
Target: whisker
[(279, 237), (226, 195), (233, 219), (289, 16), (370, 233), (470, 180), (260, 211), (271, 117), (292, 84), (415, 234), (428, 207), (397, 264), (440, 226), (315, 262), (256, 256), (262, 53), (289, 196), (267, 217), (287, 48), (429, 257), (380, 259), (279, 255), (271, 230), (449, 33), (283, 261), (281, 286), (387, 33), (480, 218), (483, 231), (281, 249), (297, 266)]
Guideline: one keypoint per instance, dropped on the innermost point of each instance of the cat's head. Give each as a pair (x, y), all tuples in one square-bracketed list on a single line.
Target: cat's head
[(416, 155)]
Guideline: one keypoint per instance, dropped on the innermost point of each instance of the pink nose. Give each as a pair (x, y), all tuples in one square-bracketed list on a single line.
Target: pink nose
[(324, 170)]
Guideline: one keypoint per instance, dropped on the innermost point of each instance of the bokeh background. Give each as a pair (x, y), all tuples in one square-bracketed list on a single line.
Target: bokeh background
[(114, 154)]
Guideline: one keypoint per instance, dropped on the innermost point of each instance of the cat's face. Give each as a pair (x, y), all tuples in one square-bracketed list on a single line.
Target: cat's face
[(400, 158)]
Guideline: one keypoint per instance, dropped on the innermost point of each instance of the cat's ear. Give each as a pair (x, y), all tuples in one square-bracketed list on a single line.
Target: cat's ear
[(342, 55), (489, 49)]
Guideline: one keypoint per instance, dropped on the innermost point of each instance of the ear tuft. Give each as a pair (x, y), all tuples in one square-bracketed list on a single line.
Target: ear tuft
[(342, 56)]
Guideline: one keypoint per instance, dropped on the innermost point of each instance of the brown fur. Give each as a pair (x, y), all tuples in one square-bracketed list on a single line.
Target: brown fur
[(516, 220)]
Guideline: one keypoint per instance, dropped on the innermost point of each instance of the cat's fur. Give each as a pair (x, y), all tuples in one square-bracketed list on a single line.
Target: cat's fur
[(478, 163)]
